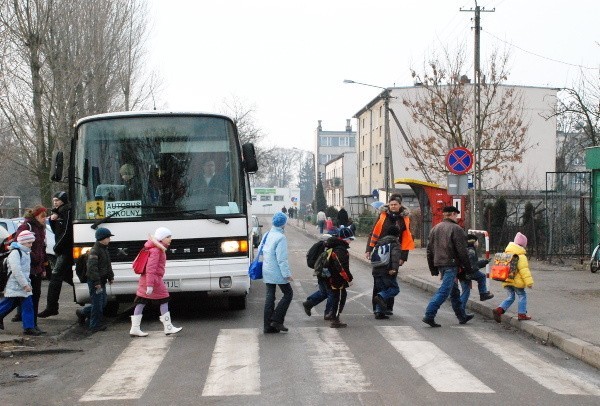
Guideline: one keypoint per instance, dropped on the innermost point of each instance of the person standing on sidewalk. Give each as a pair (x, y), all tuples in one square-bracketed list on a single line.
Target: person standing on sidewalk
[(276, 272), (99, 272), (446, 252), (61, 224), (18, 289), (394, 215), (35, 221), (521, 280), (321, 218), (151, 288), (385, 280)]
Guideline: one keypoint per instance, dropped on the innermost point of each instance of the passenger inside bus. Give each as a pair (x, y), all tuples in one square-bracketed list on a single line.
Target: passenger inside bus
[(132, 188)]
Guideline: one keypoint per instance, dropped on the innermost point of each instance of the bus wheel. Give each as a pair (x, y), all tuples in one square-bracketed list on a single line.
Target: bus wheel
[(111, 309), (237, 302)]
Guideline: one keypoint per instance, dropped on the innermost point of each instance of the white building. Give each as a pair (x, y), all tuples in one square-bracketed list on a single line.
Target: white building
[(538, 103), (340, 180), (267, 201), (331, 144)]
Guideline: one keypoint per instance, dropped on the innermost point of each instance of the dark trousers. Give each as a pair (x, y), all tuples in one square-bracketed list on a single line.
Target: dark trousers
[(323, 293), (277, 314), (338, 302), (60, 273)]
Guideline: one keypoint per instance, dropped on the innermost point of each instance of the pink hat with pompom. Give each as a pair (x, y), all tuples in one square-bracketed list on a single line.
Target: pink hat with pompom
[(521, 240)]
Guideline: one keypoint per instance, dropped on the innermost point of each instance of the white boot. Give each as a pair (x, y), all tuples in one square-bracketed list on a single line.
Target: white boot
[(166, 321), (135, 327)]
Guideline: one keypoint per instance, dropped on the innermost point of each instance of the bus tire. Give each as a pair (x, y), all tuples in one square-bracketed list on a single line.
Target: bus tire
[(237, 302)]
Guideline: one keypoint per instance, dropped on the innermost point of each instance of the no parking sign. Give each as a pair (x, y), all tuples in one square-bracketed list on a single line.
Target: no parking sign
[(459, 160)]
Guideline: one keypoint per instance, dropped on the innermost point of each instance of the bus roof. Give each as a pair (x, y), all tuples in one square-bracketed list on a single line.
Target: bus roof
[(149, 113)]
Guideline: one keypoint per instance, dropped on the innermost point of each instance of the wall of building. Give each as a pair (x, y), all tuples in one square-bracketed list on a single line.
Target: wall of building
[(331, 144), (340, 179)]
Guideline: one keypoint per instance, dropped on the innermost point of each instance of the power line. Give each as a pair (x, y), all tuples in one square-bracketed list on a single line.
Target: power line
[(538, 55)]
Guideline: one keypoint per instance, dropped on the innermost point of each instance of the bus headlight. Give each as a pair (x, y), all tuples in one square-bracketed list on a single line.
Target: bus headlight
[(233, 246), (79, 251)]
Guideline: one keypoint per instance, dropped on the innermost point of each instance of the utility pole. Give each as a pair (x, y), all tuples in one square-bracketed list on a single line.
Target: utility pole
[(477, 120)]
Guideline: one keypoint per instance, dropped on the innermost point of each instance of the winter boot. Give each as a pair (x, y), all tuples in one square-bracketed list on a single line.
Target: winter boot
[(166, 321), (524, 316), (135, 327), (498, 312), (307, 307), (485, 296)]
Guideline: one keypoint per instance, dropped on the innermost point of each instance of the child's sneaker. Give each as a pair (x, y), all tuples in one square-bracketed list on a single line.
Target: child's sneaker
[(524, 316), (498, 311)]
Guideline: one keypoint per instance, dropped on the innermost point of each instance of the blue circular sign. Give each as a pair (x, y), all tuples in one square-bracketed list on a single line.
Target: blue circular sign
[(459, 160)]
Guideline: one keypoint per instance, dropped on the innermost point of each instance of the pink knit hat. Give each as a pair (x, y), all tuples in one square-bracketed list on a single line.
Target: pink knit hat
[(25, 237), (521, 240)]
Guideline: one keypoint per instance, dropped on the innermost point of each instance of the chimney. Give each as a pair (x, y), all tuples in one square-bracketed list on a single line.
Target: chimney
[(319, 128), (348, 125)]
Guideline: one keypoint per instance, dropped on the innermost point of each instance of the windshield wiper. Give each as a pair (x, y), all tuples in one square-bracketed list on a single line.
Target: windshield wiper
[(199, 213)]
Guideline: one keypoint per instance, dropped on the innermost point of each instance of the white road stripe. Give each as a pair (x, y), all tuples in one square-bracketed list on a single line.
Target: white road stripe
[(234, 367), (129, 376), (337, 369), (438, 369), (552, 377)]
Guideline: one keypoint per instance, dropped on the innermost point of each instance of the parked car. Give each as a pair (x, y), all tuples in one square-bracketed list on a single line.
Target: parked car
[(256, 231), (11, 226)]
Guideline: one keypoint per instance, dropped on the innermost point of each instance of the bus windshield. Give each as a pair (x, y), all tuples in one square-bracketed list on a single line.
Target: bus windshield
[(157, 167)]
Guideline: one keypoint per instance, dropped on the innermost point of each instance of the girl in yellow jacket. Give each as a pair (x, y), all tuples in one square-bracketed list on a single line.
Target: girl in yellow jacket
[(521, 280)]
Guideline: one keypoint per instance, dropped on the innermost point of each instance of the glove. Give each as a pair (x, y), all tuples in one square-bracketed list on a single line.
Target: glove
[(149, 290)]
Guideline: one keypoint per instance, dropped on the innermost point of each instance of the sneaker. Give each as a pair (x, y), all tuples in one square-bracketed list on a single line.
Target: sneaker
[(431, 322), (466, 319), (379, 301), (381, 316), (307, 306), (337, 324), (523, 316), (32, 332), (16, 319), (47, 313), (498, 311), (328, 317), (485, 296), (388, 312), (80, 317), (279, 326), (270, 330)]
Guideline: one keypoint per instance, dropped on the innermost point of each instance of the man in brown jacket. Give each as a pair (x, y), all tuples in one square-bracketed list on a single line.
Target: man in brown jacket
[(446, 252)]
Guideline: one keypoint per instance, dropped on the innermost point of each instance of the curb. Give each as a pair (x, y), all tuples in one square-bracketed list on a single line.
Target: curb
[(580, 349)]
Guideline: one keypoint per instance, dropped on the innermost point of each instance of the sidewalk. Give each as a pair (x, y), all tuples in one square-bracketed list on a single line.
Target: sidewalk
[(564, 303)]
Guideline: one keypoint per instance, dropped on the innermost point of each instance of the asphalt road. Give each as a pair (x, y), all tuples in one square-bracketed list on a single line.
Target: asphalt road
[(222, 357)]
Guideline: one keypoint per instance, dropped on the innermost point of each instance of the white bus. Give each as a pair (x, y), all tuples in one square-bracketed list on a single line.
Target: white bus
[(136, 171)]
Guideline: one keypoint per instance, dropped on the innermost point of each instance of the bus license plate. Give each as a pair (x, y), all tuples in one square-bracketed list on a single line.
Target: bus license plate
[(171, 283)]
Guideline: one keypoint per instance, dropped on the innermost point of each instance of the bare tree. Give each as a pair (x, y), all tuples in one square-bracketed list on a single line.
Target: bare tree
[(280, 168), (446, 112)]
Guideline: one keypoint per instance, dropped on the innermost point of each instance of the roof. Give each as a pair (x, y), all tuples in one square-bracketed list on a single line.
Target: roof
[(150, 113)]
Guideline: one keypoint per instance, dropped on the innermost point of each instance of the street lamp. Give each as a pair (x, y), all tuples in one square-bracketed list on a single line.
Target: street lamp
[(385, 95)]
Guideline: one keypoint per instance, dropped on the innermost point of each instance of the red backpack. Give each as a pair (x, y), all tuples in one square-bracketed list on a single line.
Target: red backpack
[(139, 263)]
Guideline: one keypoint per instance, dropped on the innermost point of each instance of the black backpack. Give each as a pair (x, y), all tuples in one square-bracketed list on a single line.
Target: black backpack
[(313, 253), (81, 267), (4, 272)]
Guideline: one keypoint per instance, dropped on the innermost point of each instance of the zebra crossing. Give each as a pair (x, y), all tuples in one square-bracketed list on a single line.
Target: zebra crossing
[(235, 366)]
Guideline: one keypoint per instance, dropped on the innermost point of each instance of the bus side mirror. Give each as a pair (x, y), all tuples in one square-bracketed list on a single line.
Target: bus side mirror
[(56, 174), (249, 156)]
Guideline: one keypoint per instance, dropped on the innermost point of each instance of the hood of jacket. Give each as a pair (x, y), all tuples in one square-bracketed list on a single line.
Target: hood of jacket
[(513, 248), (333, 242)]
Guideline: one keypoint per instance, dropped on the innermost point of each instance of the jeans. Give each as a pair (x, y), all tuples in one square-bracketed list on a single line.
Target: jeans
[(323, 293), (8, 304), (511, 290), (95, 309), (466, 287), (277, 314), (321, 224), (387, 287), (60, 273), (449, 287)]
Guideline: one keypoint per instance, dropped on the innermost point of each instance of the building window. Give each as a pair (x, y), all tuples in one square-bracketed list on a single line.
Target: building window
[(253, 198), (344, 141), (353, 141), (278, 198), (265, 198), (325, 141)]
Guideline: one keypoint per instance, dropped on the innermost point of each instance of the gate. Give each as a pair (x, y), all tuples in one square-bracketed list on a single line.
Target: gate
[(568, 215)]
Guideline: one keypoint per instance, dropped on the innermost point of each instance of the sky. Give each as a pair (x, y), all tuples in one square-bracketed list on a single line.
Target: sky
[(288, 60)]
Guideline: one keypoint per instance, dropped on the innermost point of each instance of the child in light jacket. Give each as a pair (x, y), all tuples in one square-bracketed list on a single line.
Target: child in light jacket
[(18, 289), (522, 280)]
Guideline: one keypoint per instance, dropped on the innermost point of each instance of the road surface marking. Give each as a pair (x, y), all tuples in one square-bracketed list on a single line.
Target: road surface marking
[(438, 369), (337, 369), (550, 376), (129, 376), (234, 367)]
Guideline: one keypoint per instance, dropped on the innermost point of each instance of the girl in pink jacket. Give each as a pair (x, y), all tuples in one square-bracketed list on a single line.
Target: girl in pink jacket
[(151, 288)]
